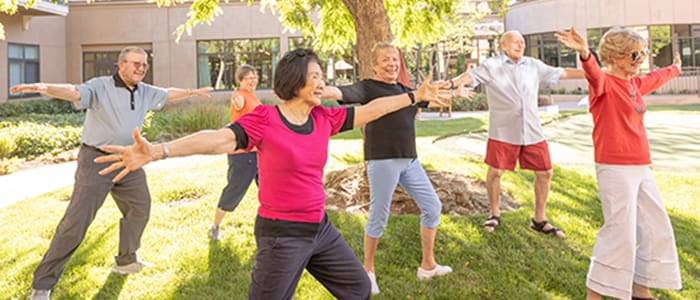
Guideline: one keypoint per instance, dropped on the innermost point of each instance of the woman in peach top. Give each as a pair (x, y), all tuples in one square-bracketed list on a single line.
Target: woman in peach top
[(242, 165)]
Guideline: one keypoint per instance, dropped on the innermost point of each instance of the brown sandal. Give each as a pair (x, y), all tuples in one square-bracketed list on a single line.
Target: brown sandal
[(539, 227), (493, 222)]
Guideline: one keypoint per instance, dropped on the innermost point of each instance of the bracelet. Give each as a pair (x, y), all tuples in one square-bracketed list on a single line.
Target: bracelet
[(165, 150), (452, 85), (412, 97)]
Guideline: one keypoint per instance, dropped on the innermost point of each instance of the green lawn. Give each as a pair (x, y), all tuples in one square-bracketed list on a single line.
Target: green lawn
[(513, 263)]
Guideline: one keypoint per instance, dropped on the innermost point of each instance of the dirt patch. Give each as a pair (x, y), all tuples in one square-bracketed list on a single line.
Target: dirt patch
[(348, 190)]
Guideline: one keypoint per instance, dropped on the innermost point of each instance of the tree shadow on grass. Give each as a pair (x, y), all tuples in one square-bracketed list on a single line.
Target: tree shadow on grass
[(112, 287), (89, 253), (222, 277)]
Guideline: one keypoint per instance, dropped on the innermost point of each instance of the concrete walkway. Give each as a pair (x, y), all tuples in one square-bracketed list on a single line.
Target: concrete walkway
[(34, 182), (673, 139)]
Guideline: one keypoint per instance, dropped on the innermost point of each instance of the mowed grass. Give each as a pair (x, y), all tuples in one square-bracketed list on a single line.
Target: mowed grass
[(512, 263)]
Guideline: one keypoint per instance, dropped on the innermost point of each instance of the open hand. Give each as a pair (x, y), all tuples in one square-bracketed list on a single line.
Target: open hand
[(429, 92), (677, 61), (28, 88), (572, 39), (203, 92), (237, 100), (128, 157)]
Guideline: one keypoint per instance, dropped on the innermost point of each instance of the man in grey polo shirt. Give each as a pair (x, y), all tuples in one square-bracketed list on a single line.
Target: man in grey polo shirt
[(512, 83), (115, 106)]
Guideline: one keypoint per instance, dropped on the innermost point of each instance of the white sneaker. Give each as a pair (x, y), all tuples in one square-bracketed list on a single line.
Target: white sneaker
[(373, 280), (131, 268), (40, 294), (214, 233), (429, 274)]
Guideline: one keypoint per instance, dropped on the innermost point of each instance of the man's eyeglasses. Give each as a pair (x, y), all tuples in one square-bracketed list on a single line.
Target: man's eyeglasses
[(639, 55), (138, 65)]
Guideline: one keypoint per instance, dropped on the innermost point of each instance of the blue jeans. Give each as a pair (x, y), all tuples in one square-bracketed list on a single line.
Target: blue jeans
[(383, 175)]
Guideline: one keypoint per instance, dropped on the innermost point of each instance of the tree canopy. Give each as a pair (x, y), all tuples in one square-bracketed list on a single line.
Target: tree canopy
[(338, 25)]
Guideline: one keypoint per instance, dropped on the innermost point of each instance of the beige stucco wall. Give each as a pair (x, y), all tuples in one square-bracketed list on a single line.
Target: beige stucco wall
[(549, 15), (45, 31), (174, 64)]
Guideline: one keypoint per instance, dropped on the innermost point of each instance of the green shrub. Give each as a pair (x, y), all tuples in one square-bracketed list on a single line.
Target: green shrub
[(185, 120), (477, 103), (20, 108), (33, 139), (58, 120), (269, 101), (7, 145), (8, 165)]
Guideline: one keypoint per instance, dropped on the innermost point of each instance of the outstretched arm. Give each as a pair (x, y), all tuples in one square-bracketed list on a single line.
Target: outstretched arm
[(575, 41), (426, 92), (461, 80), (66, 92), (178, 93), (570, 73), (677, 61), (142, 152), (332, 93)]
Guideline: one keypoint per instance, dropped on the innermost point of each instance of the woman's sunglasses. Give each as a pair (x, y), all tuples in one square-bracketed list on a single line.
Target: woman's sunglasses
[(639, 55)]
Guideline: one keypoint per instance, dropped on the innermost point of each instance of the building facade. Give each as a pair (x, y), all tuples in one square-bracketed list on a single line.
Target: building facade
[(50, 44), (86, 42), (670, 26)]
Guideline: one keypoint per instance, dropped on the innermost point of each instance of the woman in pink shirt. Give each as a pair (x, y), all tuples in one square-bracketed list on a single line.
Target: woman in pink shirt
[(292, 231), (635, 249)]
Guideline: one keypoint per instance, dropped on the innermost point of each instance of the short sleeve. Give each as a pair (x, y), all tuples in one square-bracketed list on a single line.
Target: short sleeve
[(255, 123), (480, 74), (88, 93), (355, 93), (548, 75), (336, 117), (156, 96)]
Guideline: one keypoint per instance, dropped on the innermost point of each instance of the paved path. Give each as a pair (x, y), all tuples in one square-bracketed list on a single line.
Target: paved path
[(673, 139), (33, 182)]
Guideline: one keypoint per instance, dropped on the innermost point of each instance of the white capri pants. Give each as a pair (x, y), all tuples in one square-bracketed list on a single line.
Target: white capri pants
[(636, 242)]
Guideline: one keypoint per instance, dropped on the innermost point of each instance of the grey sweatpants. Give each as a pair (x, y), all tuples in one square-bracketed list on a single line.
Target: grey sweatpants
[(281, 260), (89, 193)]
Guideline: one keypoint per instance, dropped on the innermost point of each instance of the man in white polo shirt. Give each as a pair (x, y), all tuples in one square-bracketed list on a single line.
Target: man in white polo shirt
[(512, 83), (115, 106)]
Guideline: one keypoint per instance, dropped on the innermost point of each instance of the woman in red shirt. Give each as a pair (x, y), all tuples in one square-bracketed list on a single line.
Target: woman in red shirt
[(292, 231), (635, 249), (242, 165)]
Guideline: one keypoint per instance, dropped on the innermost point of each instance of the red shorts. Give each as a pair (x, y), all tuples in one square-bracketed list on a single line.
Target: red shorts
[(502, 155)]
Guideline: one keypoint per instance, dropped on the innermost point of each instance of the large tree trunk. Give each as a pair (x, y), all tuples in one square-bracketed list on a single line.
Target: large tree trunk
[(371, 26)]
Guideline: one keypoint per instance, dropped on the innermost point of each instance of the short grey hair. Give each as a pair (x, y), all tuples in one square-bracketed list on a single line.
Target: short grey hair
[(129, 49), (243, 70)]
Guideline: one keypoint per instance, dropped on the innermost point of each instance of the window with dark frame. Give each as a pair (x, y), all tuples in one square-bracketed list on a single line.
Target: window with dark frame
[(104, 63), (22, 67), (217, 61)]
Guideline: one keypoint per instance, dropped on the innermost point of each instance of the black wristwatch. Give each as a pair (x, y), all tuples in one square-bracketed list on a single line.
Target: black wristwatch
[(412, 97)]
